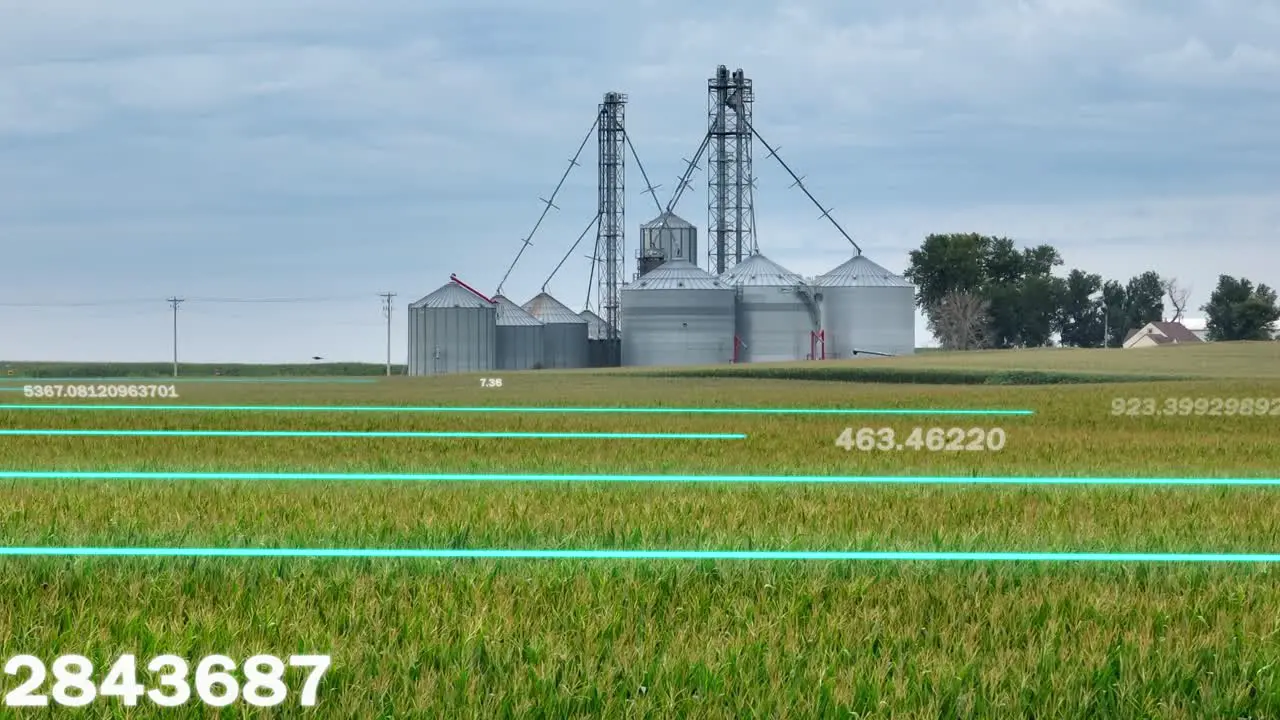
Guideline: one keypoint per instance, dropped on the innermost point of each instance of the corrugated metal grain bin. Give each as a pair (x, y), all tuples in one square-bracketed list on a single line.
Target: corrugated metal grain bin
[(866, 308), (777, 312), (564, 333), (601, 351), (519, 337), (677, 315), (452, 330)]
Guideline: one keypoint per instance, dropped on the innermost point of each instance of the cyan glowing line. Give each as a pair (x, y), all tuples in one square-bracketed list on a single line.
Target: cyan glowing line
[(362, 553), (604, 478), (377, 434), (529, 409)]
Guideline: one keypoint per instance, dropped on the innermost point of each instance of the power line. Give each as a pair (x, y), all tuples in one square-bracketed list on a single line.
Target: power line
[(329, 298), (193, 299), (79, 304)]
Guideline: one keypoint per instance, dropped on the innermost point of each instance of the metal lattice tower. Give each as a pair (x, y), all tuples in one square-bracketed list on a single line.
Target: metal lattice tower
[(730, 200), (610, 234)]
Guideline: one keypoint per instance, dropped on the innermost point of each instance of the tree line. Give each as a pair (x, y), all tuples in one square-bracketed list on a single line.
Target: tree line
[(978, 291)]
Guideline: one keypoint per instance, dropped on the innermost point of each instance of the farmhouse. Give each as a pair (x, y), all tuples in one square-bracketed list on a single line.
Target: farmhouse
[(1155, 334)]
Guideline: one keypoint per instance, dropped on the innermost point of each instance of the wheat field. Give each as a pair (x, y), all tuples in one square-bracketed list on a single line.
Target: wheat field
[(651, 638)]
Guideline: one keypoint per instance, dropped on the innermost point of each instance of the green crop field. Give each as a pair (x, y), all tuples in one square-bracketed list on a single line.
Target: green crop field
[(672, 638)]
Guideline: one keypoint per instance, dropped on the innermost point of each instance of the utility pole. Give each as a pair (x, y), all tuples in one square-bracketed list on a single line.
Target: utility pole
[(174, 302), (386, 311)]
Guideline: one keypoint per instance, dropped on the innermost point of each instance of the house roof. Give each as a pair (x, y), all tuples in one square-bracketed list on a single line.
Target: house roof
[(1177, 332), (1164, 333)]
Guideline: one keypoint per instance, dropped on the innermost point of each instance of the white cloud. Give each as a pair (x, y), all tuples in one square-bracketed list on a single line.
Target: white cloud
[(377, 144), (1195, 63)]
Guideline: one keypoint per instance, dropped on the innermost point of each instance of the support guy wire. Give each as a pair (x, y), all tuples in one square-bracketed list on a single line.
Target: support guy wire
[(576, 243), (549, 204), (649, 188), (799, 182)]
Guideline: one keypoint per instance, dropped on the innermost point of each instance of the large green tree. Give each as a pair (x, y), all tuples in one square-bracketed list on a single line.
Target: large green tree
[(1144, 301), (946, 264), (1021, 296), (1239, 311), (1082, 313), (1040, 299), (1025, 303), (1115, 302)]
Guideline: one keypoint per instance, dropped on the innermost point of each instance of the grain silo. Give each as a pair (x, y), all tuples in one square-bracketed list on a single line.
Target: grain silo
[(665, 238), (677, 314), (452, 330), (564, 333), (866, 308), (601, 351), (777, 312), (519, 337)]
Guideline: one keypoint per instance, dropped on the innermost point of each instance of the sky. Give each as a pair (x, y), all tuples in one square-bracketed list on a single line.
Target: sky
[(322, 152)]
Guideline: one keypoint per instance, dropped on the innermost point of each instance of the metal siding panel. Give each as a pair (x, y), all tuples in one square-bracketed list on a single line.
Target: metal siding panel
[(518, 347), (453, 340), (410, 358), (467, 341), (838, 319), (885, 319), (678, 327), (438, 356), (430, 343), (421, 342), (878, 319), (425, 361), (460, 339), (553, 338), (773, 324), (489, 337), (478, 341)]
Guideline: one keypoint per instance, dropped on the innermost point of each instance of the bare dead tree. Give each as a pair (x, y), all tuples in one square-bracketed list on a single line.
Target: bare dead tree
[(960, 321), (1178, 295)]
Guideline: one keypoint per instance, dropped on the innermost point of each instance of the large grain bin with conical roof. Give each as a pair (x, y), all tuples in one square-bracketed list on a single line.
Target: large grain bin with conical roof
[(452, 330), (677, 314), (519, 337), (564, 332), (777, 313), (866, 309)]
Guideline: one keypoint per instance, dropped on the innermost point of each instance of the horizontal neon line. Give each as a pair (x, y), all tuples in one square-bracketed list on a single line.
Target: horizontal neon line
[(530, 409), (585, 478), (376, 434), (639, 554)]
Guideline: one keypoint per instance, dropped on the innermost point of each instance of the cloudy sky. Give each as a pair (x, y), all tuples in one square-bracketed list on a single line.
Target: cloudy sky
[(330, 150)]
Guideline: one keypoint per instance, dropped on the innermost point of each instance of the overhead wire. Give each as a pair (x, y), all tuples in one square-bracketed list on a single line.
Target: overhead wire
[(548, 204)]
